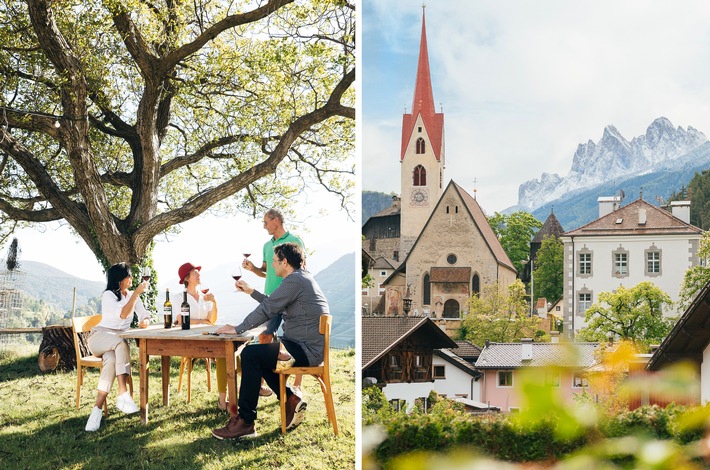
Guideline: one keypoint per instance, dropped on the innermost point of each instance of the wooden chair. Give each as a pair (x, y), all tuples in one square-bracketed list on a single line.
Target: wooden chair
[(321, 374), (189, 362), (83, 325)]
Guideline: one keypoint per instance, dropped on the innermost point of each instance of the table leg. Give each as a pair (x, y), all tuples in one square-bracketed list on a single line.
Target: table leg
[(231, 376), (143, 353), (165, 369)]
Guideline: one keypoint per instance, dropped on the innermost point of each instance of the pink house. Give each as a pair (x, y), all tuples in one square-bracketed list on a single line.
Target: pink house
[(560, 365)]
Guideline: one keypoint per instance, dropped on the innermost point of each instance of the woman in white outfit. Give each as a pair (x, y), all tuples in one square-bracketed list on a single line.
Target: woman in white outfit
[(117, 307)]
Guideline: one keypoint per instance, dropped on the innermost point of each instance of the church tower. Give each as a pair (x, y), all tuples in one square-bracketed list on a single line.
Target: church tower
[(422, 154)]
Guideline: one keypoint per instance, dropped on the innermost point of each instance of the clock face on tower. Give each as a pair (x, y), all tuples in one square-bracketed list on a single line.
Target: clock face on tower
[(419, 197)]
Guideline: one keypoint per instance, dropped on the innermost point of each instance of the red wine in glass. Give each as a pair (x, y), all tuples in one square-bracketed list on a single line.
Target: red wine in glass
[(146, 278), (237, 277), (204, 291), (246, 255)]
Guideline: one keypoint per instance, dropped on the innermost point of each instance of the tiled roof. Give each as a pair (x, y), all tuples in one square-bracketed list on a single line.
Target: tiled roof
[(384, 263), (450, 274), (509, 355), (550, 227), (482, 222), (466, 349), (457, 361), (627, 221), (423, 104), (394, 209), (380, 334), (689, 337)]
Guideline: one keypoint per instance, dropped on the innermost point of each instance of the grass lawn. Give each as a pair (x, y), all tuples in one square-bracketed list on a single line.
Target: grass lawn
[(40, 426)]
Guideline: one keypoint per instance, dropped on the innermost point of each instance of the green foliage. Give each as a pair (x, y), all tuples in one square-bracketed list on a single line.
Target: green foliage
[(547, 431), (548, 273), (634, 314), (167, 110), (515, 231), (696, 277), (498, 315), (699, 191)]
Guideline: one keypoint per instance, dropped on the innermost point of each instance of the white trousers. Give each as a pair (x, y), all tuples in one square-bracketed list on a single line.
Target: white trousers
[(115, 352)]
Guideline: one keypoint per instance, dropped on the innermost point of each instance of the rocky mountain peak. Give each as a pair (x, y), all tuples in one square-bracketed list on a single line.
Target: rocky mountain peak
[(613, 157)]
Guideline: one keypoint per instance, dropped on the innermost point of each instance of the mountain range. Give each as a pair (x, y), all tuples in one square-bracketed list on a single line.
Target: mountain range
[(652, 166), (607, 165), (53, 286)]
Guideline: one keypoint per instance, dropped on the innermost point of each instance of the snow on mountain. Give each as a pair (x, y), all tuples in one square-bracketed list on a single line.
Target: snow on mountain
[(613, 157)]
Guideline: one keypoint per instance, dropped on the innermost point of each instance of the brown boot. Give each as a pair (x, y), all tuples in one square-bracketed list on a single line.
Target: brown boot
[(236, 428), (295, 411)]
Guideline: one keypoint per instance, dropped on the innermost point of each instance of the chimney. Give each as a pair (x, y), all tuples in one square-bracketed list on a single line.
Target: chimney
[(681, 209), (642, 216), (608, 204), (396, 202), (554, 337), (526, 344)]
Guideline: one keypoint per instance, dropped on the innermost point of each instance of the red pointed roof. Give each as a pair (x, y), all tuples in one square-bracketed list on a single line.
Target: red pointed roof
[(423, 104)]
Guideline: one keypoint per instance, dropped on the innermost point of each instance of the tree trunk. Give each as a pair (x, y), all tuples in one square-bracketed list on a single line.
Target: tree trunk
[(57, 349)]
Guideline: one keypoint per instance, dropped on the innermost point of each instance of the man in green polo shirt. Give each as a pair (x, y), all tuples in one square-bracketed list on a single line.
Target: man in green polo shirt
[(274, 225)]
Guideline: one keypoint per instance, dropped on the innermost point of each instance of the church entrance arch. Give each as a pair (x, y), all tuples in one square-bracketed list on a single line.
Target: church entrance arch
[(451, 309)]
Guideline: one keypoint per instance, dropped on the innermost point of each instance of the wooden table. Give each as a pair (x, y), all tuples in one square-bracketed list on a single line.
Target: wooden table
[(158, 341)]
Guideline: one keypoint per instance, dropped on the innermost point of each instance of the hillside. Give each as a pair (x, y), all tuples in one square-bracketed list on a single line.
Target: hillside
[(338, 284), (580, 207), (374, 202), (54, 286)]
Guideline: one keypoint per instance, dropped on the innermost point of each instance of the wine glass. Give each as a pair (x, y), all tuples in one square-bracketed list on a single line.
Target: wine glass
[(237, 274), (247, 255), (203, 302), (146, 274)]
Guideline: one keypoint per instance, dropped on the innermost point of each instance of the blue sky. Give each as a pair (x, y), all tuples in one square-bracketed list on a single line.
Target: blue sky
[(523, 83)]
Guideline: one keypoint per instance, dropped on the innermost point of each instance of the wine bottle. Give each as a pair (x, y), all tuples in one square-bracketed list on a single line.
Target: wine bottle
[(185, 312), (167, 310)]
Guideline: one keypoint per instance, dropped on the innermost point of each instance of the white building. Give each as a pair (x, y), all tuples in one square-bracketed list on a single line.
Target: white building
[(623, 247)]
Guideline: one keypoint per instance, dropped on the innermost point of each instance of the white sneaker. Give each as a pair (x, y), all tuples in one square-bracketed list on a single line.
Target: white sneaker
[(126, 404), (297, 391), (94, 421)]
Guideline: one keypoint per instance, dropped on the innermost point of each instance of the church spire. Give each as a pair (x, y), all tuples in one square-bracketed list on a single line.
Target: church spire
[(423, 96), (423, 103)]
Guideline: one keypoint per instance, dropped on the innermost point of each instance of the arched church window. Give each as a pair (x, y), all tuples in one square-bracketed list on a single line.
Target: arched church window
[(419, 176), (427, 290), (421, 146), (451, 309), (476, 285)]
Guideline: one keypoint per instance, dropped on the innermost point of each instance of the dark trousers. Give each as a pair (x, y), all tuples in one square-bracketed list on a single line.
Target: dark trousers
[(258, 361)]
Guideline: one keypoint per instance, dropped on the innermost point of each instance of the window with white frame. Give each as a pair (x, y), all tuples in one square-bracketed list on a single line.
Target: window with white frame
[(579, 380), (620, 263), (380, 289), (653, 262), (383, 273), (505, 378), (585, 263), (584, 302)]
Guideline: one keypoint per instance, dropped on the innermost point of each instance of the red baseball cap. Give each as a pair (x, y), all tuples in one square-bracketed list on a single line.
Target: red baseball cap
[(185, 269)]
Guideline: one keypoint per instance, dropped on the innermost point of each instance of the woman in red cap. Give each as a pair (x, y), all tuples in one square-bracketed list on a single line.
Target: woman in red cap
[(203, 311)]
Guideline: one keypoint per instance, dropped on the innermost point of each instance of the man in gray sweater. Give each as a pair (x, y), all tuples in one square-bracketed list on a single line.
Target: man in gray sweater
[(302, 302)]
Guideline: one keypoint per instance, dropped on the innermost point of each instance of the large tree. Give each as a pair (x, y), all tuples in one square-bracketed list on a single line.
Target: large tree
[(515, 231), (549, 266), (634, 314), (499, 315), (125, 118)]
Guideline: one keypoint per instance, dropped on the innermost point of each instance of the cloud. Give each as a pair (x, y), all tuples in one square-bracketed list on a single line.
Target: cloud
[(523, 83)]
